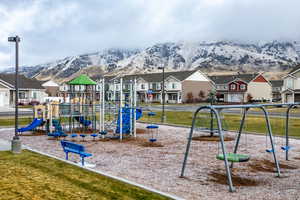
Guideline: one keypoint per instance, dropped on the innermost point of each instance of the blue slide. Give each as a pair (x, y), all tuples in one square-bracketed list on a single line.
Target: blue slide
[(83, 121), (126, 119), (35, 123)]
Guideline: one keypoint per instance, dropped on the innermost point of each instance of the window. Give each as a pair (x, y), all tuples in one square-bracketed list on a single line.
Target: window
[(289, 83), (142, 86), (242, 86), (232, 87), (154, 86), (34, 95), (173, 85), (158, 86), (22, 95)]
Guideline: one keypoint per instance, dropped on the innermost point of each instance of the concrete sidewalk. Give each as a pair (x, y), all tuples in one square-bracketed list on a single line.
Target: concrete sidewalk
[(5, 145)]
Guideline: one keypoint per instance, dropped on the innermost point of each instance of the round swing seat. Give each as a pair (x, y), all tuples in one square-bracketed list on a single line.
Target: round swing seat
[(286, 148), (152, 140), (103, 132), (152, 127), (94, 135), (269, 150), (233, 157)]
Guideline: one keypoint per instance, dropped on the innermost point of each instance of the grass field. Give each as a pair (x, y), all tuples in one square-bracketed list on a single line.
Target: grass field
[(32, 176), (253, 123)]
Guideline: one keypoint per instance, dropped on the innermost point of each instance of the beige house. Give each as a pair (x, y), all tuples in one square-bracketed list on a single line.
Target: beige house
[(30, 90), (291, 86), (179, 86), (238, 88)]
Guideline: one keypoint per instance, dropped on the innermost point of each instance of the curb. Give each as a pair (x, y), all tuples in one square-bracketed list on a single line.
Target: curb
[(107, 175)]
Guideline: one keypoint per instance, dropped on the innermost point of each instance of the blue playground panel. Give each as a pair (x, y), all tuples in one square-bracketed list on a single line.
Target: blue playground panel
[(126, 119), (83, 121)]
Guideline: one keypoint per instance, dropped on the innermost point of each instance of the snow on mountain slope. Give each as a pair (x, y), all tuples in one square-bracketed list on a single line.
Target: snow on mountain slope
[(209, 56)]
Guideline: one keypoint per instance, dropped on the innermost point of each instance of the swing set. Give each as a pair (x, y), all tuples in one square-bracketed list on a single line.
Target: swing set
[(233, 156)]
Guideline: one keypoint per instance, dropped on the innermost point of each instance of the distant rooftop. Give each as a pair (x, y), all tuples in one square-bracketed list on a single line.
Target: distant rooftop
[(24, 82), (223, 79)]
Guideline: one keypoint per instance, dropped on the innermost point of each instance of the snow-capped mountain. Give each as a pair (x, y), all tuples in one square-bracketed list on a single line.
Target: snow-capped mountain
[(208, 56)]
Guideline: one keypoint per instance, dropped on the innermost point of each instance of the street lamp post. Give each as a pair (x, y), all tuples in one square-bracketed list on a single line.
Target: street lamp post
[(163, 116), (16, 142)]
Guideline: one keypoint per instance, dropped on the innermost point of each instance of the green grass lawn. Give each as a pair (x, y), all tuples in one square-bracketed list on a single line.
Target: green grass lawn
[(32, 176), (10, 121), (253, 123)]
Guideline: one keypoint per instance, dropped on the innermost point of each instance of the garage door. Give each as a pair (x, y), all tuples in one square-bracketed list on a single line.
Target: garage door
[(235, 97), (297, 98)]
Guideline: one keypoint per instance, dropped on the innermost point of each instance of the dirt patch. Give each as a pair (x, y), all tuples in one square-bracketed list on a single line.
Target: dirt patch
[(221, 178), (152, 144), (207, 138), (141, 131), (298, 158), (267, 166), (35, 133)]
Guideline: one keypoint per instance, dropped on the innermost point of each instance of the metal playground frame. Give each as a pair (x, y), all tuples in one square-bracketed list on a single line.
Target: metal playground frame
[(216, 109)]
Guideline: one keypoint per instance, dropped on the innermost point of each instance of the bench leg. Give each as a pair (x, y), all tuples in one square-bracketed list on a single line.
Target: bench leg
[(67, 155)]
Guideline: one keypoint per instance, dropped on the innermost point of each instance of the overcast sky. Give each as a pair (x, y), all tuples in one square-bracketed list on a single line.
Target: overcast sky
[(53, 29)]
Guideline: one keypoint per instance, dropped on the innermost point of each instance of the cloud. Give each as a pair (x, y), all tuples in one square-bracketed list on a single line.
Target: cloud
[(52, 29)]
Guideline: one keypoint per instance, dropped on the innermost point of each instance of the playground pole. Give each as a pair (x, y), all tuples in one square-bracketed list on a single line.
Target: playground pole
[(131, 105), (121, 104), (16, 142), (134, 106), (103, 104)]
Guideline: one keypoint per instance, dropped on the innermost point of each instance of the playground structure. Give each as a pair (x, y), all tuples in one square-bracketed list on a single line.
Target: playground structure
[(234, 157), (118, 106), (117, 110)]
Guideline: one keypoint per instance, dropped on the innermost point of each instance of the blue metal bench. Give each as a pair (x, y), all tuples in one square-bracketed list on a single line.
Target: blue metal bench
[(74, 148)]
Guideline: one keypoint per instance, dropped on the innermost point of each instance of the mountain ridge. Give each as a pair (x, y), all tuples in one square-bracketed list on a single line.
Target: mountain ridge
[(275, 56)]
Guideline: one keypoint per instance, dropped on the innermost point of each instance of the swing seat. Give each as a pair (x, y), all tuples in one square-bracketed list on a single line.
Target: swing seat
[(152, 140), (233, 157), (286, 148), (103, 132), (73, 135), (269, 150), (152, 127)]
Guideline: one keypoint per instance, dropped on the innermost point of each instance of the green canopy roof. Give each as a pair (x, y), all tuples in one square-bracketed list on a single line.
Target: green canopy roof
[(82, 80)]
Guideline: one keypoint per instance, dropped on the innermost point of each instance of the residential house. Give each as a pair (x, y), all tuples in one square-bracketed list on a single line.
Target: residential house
[(238, 88), (52, 88), (291, 86), (180, 86), (30, 90), (277, 86)]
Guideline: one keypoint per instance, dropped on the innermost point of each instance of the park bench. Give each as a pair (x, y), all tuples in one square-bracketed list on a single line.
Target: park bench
[(70, 147)]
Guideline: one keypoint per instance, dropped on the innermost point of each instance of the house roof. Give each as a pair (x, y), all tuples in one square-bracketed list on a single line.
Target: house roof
[(82, 80), (276, 83), (49, 84), (223, 79), (156, 77), (24, 82), (296, 68)]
